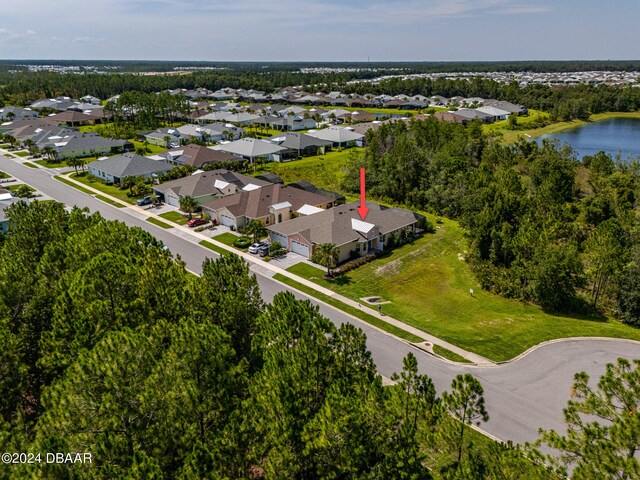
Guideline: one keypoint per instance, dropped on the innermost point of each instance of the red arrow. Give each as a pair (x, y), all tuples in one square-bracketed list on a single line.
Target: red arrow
[(362, 209)]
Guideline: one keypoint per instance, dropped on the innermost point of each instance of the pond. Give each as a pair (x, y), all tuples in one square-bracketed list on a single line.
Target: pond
[(613, 136)]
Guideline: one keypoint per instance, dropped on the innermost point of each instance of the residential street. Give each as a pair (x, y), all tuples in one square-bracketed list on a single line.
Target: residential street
[(521, 396)]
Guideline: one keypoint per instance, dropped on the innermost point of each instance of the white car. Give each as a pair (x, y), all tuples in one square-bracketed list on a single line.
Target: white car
[(254, 248)]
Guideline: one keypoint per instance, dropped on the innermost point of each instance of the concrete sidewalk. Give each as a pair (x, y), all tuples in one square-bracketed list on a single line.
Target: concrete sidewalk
[(190, 234)]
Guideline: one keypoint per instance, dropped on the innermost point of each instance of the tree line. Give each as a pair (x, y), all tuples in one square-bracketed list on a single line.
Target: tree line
[(542, 225), (109, 346)]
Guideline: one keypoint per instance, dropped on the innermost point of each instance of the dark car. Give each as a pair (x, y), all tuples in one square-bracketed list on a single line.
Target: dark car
[(144, 201), (196, 222), (263, 250)]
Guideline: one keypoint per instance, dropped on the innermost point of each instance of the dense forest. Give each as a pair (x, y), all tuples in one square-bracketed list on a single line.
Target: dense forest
[(108, 346), (542, 225)]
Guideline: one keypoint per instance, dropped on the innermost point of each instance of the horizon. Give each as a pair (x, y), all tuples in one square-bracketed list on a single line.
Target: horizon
[(320, 30)]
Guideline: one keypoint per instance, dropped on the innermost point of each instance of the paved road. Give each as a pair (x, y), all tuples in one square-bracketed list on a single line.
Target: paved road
[(521, 396)]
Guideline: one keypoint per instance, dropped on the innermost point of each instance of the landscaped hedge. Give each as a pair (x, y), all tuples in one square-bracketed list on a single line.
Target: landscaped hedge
[(242, 242), (354, 264)]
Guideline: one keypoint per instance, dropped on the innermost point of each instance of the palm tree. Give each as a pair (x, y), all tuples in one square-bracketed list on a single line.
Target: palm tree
[(10, 139), (189, 205), (127, 182), (327, 254), (75, 163), (256, 229), (29, 144), (51, 153)]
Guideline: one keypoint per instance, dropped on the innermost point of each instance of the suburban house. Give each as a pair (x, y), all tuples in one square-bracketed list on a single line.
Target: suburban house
[(73, 119), (197, 156), (288, 123), (6, 200), (271, 204), (339, 137), (206, 186), (473, 114), (80, 145), (252, 148), (335, 198), (16, 113), (494, 112), (342, 227), (114, 169), (167, 137), (301, 145)]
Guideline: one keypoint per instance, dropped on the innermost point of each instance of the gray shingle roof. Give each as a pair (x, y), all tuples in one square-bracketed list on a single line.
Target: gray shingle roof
[(335, 226), (129, 165)]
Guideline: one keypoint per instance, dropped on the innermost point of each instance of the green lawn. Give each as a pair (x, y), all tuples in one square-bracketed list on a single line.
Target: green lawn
[(349, 309), (49, 164), (4, 175), (107, 189), (175, 217), (22, 154), (213, 247), (159, 223), (30, 165), (428, 286), (13, 188), (228, 239), (325, 171), (154, 149), (448, 354), (66, 181), (109, 201)]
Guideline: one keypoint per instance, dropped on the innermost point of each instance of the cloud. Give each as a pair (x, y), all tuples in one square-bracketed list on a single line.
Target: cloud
[(7, 35)]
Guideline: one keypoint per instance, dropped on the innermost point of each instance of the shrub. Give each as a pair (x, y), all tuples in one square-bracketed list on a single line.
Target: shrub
[(242, 242)]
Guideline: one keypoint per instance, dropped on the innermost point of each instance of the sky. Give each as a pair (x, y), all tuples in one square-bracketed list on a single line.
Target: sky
[(320, 30)]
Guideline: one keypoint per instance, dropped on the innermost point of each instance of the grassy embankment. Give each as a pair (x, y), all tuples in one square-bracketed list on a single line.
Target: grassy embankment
[(510, 136)]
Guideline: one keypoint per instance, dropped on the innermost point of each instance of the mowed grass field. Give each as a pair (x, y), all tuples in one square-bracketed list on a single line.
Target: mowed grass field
[(428, 286), (325, 171)]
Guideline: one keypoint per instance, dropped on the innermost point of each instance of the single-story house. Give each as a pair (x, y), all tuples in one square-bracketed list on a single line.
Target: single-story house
[(252, 148), (474, 114), (507, 106), (86, 145), (16, 113), (6, 200), (336, 198), (339, 137), (301, 145), (494, 112), (343, 227), (271, 204), (114, 169), (72, 118), (198, 156), (167, 137), (205, 186)]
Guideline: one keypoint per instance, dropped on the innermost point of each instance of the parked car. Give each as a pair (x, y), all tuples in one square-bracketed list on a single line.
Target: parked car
[(144, 201), (263, 251), (254, 248), (196, 222)]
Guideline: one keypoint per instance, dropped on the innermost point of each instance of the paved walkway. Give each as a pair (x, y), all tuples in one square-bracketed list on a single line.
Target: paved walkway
[(270, 269)]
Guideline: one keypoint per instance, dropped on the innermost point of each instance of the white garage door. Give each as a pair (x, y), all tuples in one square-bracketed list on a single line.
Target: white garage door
[(227, 221), (281, 239), (300, 248)]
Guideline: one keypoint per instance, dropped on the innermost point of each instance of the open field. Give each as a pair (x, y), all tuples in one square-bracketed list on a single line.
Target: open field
[(107, 189), (347, 308), (325, 171), (428, 286)]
